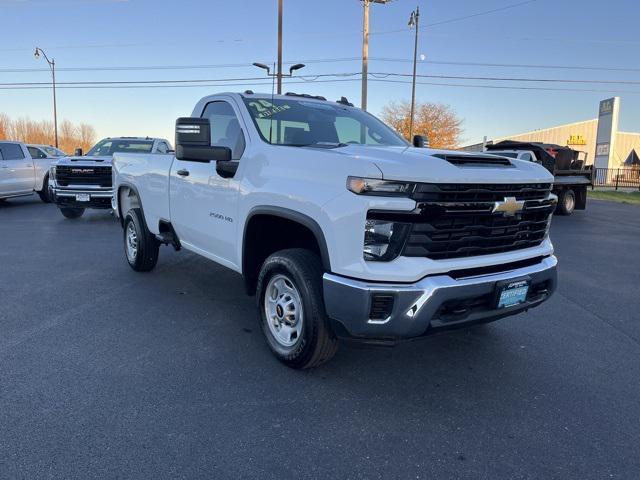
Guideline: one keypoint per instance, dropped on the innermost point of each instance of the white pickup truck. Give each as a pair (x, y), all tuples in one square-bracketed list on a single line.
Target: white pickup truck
[(20, 173), (338, 225)]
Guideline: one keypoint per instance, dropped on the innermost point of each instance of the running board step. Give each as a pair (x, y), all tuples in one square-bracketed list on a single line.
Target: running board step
[(168, 238)]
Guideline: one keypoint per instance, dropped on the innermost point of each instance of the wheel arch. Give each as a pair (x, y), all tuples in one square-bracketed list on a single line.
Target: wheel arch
[(128, 201), (252, 257)]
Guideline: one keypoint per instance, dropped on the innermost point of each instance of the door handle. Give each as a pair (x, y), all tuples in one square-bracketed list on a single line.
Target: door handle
[(183, 173)]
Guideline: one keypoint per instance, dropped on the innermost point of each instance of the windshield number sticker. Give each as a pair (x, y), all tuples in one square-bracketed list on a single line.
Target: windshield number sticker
[(266, 109)]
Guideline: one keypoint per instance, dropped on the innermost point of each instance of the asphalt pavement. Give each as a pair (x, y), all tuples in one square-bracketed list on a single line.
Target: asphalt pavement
[(108, 373)]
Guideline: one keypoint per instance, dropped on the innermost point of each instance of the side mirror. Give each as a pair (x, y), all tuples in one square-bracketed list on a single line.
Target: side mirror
[(420, 141), (78, 152), (193, 141)]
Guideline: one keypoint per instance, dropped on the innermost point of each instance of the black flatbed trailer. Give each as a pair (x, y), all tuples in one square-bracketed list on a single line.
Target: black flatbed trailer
[(571, 175)]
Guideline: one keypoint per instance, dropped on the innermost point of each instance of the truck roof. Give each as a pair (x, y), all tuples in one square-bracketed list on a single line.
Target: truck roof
[(134, 138), (286, 96)]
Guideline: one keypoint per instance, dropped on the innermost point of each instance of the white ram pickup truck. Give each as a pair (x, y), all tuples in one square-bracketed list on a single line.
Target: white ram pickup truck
[(339, 226), (20, 173)]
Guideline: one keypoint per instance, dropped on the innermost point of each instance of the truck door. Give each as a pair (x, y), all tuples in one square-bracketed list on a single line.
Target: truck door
[(204, 203), (16, 170)]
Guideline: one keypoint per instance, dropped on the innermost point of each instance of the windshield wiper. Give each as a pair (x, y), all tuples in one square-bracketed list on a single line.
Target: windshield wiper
[(325, 145)]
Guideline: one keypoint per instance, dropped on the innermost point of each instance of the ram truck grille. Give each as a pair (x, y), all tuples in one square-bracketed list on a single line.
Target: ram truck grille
[(70, 175), (461, 220)]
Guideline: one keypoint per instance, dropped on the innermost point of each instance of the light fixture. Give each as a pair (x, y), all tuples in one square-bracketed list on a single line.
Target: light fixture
[(297, 66)]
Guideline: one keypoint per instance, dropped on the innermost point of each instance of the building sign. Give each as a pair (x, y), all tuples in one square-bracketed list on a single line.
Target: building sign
[(576, 140), (607, 130), (602, 149), (606, 106)]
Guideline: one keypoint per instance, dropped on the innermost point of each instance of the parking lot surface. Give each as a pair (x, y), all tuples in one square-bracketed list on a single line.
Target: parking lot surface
[(109, 373)]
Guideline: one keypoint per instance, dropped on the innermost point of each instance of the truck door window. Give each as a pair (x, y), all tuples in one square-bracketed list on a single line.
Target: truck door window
[(11, 151), (526, 156), (225, 128), (36, 152), (162, 147)]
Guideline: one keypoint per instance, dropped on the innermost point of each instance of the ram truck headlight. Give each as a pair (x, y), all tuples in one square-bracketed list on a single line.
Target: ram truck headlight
[(383, 239), (52, 172), (384, 188)]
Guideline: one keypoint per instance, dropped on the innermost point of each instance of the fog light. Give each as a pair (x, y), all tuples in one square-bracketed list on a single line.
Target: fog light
[(383, 240)]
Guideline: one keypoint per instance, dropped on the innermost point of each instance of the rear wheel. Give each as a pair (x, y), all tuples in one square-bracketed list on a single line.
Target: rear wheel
[(291, 309), (566, 202), (72, 212), (140, 245)]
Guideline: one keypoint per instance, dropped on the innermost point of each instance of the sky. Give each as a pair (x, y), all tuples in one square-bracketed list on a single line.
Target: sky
[(597, 40)]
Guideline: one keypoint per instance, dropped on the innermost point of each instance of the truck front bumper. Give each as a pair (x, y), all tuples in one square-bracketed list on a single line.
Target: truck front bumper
[(81, 198), (393, 312)]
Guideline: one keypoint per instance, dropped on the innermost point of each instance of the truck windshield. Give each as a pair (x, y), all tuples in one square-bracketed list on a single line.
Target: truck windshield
[(53, 152), (109, 146), (301, 123)]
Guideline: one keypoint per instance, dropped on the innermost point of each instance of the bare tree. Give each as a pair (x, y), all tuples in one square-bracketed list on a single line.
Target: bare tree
[(437, 121), (87, 136), (29, 131), (5, 125)]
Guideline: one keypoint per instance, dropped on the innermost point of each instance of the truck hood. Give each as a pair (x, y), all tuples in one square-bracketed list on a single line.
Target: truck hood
[(84, 160), (427, 165)]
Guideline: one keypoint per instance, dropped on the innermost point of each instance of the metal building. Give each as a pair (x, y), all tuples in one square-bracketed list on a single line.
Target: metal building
[(606, 147)]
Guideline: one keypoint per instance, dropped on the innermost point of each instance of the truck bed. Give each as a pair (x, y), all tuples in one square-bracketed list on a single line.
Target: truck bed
[(149, 174)]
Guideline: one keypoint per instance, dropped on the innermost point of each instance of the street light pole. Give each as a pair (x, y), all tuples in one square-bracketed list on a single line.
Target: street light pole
[(414, 21), (52, 66), (279, 73)]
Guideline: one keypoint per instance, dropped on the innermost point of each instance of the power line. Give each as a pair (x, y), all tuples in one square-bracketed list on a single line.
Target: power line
[(169, 67), (464, 17), (378, 80), (322, 60), (509, 79), (380, 75), (511, 87)]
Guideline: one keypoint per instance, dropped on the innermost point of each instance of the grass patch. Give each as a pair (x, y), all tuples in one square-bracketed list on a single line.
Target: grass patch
[(622, 197)]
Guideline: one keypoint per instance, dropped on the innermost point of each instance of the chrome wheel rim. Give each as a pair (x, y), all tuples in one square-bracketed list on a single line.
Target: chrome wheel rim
[(283, 310), (570, 203), (132, 242)]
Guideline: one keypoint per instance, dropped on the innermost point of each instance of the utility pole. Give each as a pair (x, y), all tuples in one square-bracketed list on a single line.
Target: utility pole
[(279, 72), (52, 66), (365, 52), (365, 47), (414, 21)]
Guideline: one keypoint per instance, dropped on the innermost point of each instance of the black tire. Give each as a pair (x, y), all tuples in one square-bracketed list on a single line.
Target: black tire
[(146, 248), (317, 342), (71, 212), (44, 193), (566, 202)]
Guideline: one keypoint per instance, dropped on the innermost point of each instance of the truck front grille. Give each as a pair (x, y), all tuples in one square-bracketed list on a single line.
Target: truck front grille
[(458, 220), (70, 175)]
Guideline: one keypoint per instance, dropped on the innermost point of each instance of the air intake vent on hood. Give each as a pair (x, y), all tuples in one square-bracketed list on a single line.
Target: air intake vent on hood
[(475, 160)]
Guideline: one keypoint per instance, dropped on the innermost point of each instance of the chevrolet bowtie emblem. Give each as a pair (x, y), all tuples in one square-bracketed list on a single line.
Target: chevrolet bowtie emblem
[(510, 206)]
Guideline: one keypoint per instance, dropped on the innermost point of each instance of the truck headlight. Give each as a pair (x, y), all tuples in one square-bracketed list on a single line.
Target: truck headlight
[(384, 240), (52, 172), (554, 201), (385, 188)]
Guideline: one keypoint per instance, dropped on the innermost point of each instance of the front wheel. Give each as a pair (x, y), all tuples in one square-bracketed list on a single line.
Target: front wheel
[(72, 212), (140, 246), (291, 309), (45, 194), (566, 202)]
